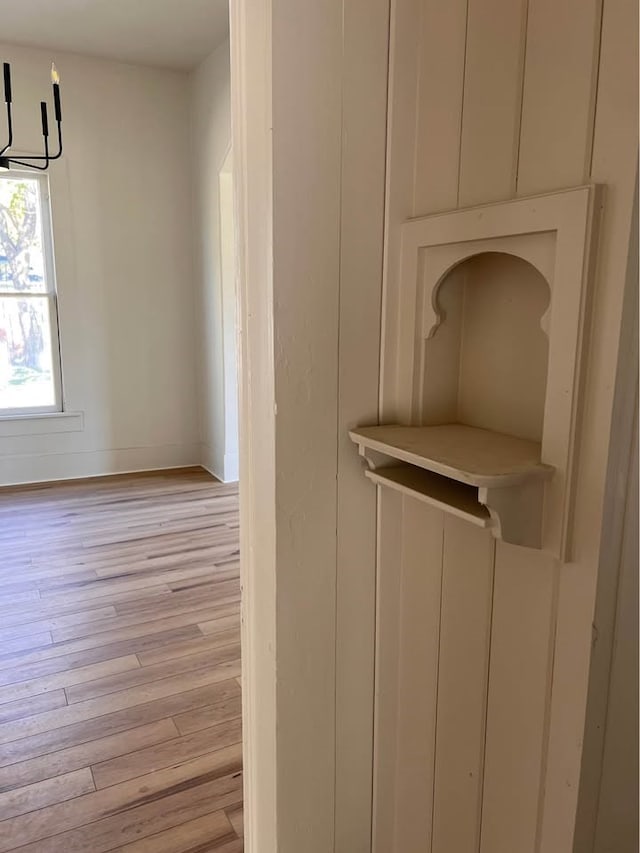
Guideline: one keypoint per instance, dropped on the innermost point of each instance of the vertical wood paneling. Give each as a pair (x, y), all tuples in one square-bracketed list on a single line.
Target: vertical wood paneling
[(465, 624), (559, 94), (417, 674), (388, 581), (366, 31), (495, 52), (536, 128), (408, 620), (613, 163), (409, 533), (439, 105), (519, 680), (401, 144), (555, 147), (492, 100)]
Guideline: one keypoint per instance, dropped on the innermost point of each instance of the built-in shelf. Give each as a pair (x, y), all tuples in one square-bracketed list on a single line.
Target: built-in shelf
[(485, 325), (440, 492), (489, 479), (478, 457)]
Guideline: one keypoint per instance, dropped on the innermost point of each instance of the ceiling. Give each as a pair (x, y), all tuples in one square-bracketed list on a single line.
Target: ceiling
[(164, 33)]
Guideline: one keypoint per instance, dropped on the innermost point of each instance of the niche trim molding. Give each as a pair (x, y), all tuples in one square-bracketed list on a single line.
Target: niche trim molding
[(554, 233)]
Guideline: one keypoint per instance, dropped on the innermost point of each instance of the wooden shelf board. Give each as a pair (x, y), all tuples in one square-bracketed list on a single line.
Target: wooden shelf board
[(477, 457), (440, 492)]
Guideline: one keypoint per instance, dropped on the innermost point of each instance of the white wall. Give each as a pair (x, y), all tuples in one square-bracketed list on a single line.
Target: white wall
[(215, 318), (121, 202)]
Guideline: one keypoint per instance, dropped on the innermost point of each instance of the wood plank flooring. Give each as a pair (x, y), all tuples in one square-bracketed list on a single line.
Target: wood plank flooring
[(120, 712)]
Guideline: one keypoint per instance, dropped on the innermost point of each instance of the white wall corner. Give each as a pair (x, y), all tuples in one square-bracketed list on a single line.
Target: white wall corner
[(213, 462)]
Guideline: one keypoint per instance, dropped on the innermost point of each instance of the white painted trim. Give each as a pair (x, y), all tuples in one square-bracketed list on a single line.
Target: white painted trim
[(250, 48), (231, 468), (45, 423), (229, 317)]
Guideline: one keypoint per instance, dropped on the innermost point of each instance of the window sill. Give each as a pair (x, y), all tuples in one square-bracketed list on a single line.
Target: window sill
[(41, 424)]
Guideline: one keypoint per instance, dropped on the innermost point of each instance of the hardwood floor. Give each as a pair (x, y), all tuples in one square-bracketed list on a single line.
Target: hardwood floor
[(120, 714)]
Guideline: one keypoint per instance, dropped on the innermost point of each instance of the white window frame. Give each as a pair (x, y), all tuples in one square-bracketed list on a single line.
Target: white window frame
[(51, 294)]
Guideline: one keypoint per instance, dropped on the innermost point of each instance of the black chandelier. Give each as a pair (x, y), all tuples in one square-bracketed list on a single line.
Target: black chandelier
[(33, 162)]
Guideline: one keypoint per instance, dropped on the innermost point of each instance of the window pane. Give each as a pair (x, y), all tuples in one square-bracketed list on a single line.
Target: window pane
[(26, 365), (22, 262)]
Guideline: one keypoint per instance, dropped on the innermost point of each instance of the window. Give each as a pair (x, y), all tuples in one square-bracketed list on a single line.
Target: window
[(29, 349)]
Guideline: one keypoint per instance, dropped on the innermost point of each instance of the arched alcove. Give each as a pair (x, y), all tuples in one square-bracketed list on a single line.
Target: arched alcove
[(485, 364)]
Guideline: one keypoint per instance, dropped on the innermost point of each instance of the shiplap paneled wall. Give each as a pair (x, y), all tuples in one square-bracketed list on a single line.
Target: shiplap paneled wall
[(483, 648), (608, 802)]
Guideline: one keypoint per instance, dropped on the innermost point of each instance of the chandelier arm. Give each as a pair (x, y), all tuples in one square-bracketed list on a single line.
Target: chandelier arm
[(59, 154), (48, 157), (31, 165), (10, 126)]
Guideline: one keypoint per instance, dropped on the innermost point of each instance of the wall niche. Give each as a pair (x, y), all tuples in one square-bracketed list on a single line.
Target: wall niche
[(485, 364), (486, 339)]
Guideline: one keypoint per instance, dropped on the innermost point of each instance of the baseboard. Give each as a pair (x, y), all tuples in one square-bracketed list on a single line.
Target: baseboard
[(45, 467)]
